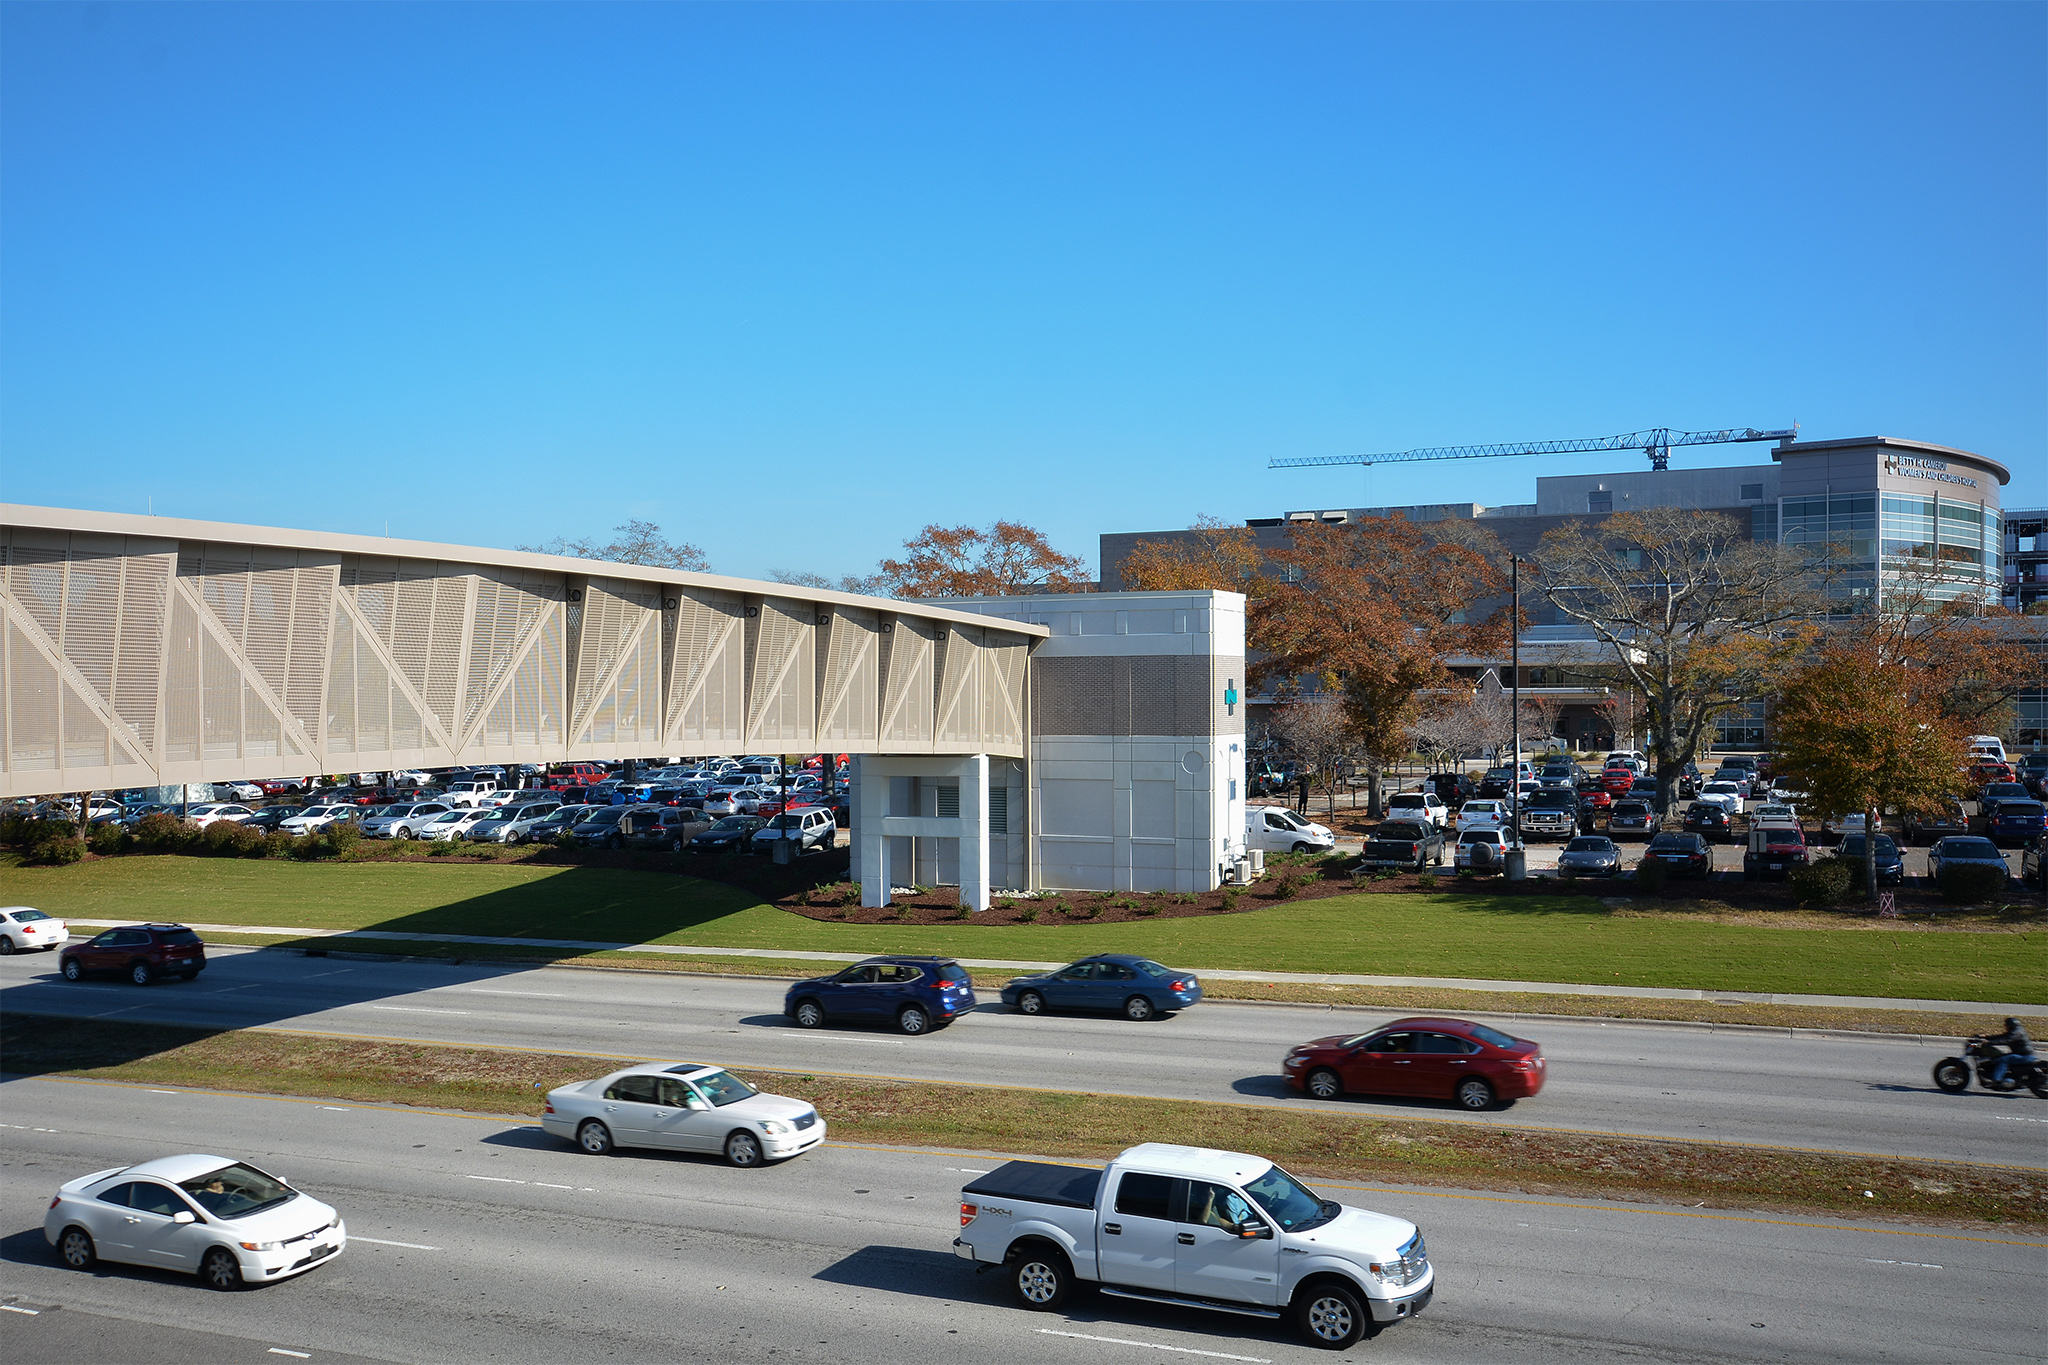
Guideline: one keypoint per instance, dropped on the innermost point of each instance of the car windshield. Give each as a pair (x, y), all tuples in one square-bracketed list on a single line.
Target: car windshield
[(605, 815), (1671, 841), (1970, 848), (1852, 847), (237, 1191), (28, 916), (1590, 846), (1481, 836), (1288, 1202), (732, 823), (1292, 821), (722, 1088)]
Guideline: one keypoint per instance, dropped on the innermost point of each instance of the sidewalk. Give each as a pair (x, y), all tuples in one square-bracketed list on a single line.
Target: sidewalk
[(1215, 974)]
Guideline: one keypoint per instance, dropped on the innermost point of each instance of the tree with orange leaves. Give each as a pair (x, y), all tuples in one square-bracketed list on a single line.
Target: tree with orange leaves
[(1369, 610), (1006, 559), (1215, 555)]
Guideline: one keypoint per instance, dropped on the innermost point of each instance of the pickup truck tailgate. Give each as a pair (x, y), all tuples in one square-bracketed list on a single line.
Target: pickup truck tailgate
[(1030, 1198)]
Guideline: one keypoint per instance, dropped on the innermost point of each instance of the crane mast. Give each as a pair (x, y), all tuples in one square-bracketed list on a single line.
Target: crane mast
[(1657, 443)]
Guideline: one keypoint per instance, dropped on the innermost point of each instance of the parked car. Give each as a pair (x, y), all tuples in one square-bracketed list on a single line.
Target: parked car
[(1631, 817), (1595, 801), (23, 928), (1419, 806), (2015, 822), (452, 825), (549, 827), (1773, 851), (668, 828), (311, 818), (808, 827), (1551, 814), (1589, 855), (1277, 829), (1995, 793), (917, 994), (1411, 844), (1435, 1058), (1709, 820), (682, 1107), (564, 775), (1485, 813), (1481, 850), (140, 952), (600, 828), (227, 1222), (1739, 778), (271, 818), (1924, 827), (1687, 855), (1891, 864), (732, 834), (403, 821), (1963, 849), (1987, 773), (240, 791), (1842, 826), (1617, 780), (509, 823), (2031, 862), (1135, 987), (734, 801), (205, 815)]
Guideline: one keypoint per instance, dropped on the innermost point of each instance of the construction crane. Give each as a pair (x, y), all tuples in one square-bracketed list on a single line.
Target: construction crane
[(1656, 443)]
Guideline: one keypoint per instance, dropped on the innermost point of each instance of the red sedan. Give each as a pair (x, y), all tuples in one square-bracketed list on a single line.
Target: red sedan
[(1618, 780), (1452, 1059)]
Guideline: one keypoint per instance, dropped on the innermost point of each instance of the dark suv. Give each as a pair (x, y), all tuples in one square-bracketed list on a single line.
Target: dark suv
[(140, 952), (914, 993)]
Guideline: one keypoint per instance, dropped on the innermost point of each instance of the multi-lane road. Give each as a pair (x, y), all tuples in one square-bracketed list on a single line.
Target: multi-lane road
[(1855, 1094), (478, 1239)]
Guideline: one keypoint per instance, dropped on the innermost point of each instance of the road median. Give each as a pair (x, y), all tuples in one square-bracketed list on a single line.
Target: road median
[(1332, 1144)]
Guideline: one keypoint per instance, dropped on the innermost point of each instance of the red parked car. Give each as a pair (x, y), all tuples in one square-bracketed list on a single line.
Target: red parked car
[(1598, 799), (1615, 781), (1451, 1059)]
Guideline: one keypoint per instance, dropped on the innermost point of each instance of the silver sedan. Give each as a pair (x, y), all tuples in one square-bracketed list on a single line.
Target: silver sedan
[(1590, 855)]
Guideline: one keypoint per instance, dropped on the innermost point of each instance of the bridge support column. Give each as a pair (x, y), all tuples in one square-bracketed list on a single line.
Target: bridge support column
[(876, 824), (973, 771)]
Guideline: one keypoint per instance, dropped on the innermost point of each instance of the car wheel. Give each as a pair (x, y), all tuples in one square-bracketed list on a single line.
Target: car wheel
[(6, 946), (1324, 1084), (1031, 1002), (72, 971), (1041, 1279), (809, 1014), (401, 833), (594, 1138), (1301, 847), (1138, 1009), (77, 1250), (1330, 1315), (220, 1270), (1474, 1094), (140, 974), (912, 1019), (615, 843), (743, 1150)]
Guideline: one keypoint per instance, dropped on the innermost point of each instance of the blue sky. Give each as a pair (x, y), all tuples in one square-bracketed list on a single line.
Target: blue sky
[(793, 281)]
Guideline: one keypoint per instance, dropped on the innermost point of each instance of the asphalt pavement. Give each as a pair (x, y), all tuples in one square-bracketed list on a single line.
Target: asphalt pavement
[(478, 1239), (1850, 1093)]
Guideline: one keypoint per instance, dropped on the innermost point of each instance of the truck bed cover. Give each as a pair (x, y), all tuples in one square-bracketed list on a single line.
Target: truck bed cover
[(1040, 1182)]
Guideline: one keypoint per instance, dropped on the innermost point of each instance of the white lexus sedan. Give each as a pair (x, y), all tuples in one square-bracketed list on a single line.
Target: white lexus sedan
[(224, 1221), (682, 1107), (23, 928)]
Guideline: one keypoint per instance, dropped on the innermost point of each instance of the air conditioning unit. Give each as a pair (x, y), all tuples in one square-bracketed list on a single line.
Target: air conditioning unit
[(1256, 859)]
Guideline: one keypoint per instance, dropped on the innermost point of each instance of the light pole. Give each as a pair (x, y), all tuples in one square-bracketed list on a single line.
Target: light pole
[(1517, 857)]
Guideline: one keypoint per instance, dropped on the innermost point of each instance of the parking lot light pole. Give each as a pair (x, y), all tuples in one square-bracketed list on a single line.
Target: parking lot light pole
[(1517, 857)]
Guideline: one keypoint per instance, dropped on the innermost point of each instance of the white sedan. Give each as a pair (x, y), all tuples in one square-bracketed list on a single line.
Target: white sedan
[(455, 823), (683, 1107), (224, 1221), (317, 817), (1726, 795), (22, 928), (205, 815)]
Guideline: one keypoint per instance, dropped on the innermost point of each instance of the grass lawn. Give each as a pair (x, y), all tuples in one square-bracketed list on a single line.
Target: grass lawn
[(1536, 939)]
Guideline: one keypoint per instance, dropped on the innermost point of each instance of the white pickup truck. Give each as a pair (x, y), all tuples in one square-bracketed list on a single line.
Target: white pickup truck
[(1201, 1229)]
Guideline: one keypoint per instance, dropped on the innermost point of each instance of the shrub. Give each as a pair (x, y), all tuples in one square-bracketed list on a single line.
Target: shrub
[(1143, 909), (1187, 898), (1652, 873), (106, 839), (1824, 881), (163, 832), (279, 844), (1971, 883), (442, 848), (1231, 895), (1089, 911), (964, 912), (565, 840), (1427, 881), (1027, 914), (230, 839), (848, 893), (1287, 885), (57, 852), (14, 828)]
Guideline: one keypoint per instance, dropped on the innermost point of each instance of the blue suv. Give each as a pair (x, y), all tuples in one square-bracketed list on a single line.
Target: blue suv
[(1136, 987), (916, 994)]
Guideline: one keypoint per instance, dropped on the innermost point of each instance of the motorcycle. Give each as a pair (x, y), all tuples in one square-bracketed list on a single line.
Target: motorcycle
[(1952, 1074)]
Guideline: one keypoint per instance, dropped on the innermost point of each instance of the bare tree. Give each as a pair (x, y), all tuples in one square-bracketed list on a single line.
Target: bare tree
[(1317, 734), (636, 542), (873, 585), (1445, 734)]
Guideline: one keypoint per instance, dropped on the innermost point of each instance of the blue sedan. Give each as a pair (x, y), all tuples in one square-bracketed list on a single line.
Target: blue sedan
[(1136, 987)]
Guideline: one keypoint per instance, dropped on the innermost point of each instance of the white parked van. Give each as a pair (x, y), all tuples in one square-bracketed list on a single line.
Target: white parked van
[(1987, 746), (1276, 829)]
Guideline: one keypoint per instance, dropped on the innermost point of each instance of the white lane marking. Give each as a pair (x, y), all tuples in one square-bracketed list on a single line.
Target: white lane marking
[(32, 1312), (544, 1185), (2016, 1118), (163, 1092), (339, 971), (405, 1009), (537, 995), (1917, 1265), (1155, 1346), (23, 1127), (496, 1179), (963, 1170), (409, 1246), (299, 1355)]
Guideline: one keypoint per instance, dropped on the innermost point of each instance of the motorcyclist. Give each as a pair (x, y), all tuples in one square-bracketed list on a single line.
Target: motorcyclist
[(2014, 1038)]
